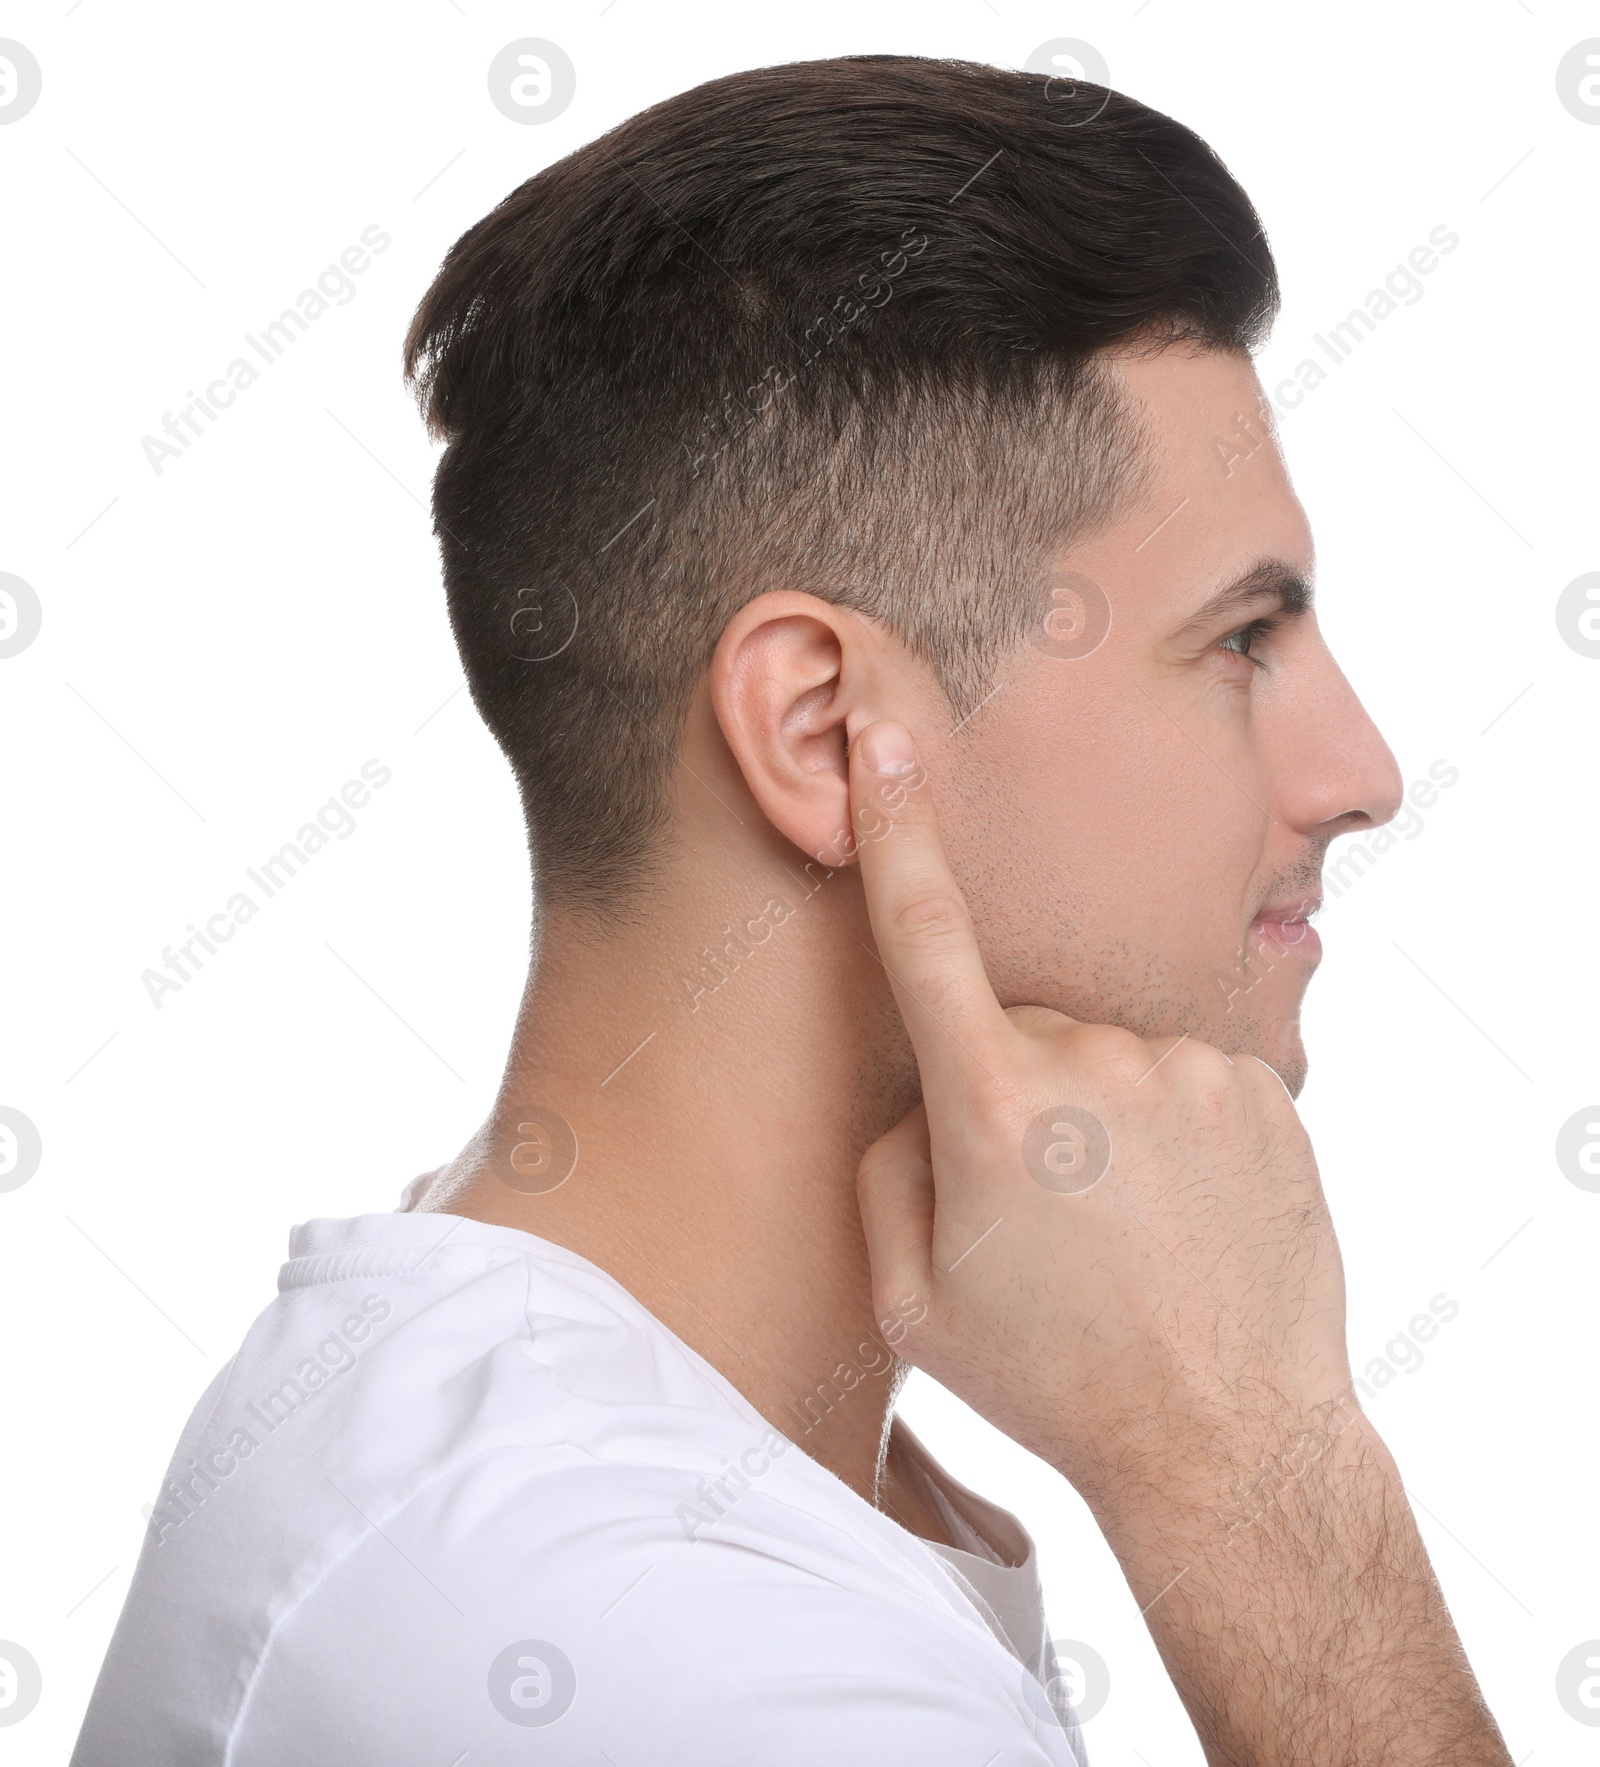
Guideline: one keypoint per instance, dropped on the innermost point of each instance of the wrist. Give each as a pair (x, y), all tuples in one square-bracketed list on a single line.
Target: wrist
[(1198, 1485), (1287, 1588)]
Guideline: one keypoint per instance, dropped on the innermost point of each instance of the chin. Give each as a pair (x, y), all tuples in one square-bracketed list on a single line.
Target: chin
[(1286, 1056), (1293, 1069)]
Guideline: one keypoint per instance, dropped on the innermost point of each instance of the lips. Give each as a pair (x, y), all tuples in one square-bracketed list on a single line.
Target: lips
[(1286, 925)]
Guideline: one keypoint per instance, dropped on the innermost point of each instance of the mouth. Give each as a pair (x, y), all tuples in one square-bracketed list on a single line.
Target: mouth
[(1285, 926)]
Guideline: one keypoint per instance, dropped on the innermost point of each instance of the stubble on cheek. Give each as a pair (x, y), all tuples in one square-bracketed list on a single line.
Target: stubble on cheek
[(1134, 955), (1154, 993)]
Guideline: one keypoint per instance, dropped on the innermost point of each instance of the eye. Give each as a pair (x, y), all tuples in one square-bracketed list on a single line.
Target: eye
[(1242, 641)]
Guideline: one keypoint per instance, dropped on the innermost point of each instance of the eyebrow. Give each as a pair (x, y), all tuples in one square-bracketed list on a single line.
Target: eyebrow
[(1271, 580)]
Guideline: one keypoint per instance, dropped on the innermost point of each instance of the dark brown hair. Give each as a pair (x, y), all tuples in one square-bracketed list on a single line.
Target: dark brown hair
[(830, 326)]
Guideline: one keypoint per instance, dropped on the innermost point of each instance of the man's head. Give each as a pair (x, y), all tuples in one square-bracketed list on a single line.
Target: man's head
[(815, 394)]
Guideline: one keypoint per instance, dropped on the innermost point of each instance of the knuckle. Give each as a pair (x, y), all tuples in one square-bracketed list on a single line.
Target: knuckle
[(871, 1164), (1267, 1081), (882, 1160), (1203, 1065), (897, 796), (1117, 1056), (887, 805), (1271, 1103), (1036, 1020), (933, 919)]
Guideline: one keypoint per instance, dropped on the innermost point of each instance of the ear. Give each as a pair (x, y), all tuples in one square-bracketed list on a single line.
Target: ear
[(787, 683)]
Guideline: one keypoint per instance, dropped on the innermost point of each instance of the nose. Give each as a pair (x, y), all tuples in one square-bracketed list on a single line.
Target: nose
[(1342, 775)]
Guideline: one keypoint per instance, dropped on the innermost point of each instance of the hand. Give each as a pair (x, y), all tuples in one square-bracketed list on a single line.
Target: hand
[(1115, 1248)]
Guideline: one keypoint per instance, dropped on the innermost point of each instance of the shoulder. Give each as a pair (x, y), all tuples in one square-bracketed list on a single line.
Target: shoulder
[(575, 1601), (449, 1493)]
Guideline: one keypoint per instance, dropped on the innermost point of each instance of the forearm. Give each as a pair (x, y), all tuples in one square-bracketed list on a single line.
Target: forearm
[(1292, 1600)]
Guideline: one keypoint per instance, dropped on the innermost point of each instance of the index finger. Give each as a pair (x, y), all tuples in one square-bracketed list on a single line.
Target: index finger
[(919, 917)]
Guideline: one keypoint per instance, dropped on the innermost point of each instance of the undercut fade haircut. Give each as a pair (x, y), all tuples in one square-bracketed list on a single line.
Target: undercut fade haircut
[(834, 326)]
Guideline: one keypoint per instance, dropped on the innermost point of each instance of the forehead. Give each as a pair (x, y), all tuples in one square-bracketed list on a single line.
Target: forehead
[(1216, 498)]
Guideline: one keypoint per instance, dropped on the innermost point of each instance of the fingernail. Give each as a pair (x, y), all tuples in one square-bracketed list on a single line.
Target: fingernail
[(886, 747)]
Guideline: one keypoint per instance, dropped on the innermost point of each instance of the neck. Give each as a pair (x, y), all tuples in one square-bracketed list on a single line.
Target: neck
[(722, 1065)]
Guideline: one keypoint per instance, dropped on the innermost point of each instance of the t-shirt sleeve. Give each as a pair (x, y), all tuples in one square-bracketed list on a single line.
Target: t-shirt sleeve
[(486, 1622)]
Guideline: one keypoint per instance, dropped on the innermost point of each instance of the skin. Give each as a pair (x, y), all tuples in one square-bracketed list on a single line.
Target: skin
[(1114, 826), (1164, 1326), (1124, 891), (1116, 821)]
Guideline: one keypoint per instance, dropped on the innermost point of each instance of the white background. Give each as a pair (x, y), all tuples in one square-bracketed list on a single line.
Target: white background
[(223, 645)]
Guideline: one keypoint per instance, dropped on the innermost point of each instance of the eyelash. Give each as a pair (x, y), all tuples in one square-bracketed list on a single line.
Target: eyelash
[(1255, 630)]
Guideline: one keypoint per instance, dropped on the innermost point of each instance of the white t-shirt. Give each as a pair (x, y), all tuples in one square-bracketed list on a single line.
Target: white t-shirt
[(460, 1500)]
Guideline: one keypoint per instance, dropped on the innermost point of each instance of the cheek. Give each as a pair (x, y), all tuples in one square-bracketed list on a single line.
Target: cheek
[(1101, 808)]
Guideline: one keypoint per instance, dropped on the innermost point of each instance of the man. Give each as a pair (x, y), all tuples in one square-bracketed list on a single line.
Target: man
[(864, 535)]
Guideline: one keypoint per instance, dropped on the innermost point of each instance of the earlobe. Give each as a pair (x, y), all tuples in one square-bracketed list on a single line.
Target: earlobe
[(780, 689)]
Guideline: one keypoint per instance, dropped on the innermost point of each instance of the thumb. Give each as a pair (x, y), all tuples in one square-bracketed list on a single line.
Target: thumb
[(894, 1187)]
